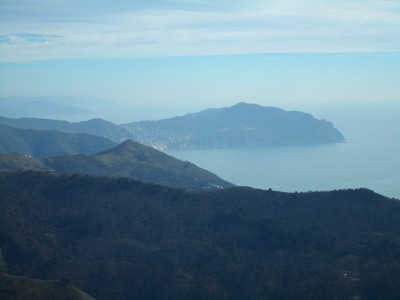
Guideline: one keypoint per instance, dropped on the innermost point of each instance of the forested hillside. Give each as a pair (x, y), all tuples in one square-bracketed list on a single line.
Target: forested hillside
[(129, 159), (23, 288), (123, 239)]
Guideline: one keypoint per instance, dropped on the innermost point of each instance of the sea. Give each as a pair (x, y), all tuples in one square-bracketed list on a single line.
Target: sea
[(370, 157)]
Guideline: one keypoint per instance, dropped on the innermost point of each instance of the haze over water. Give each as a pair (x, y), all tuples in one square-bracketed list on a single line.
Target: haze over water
[(370, 158), (167, 58)]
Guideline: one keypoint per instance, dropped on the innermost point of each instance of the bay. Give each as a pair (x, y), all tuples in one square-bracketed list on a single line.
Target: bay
[(369, 158)]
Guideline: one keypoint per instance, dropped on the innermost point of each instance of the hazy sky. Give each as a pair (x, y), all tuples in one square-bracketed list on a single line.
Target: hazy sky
[(200, 53)]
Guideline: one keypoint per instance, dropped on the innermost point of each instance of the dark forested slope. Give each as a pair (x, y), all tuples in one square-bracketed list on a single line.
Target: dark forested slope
[(13, 161), (123, 239), (23, 288)]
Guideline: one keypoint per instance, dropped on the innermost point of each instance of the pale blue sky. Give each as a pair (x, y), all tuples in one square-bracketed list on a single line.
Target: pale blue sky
[(190, 55)]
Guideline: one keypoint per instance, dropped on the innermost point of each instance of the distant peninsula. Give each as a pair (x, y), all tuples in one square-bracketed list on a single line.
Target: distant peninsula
[(240, 125)]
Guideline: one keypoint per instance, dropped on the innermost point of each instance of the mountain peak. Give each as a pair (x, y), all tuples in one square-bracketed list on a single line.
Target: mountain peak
[(97, 121), (126, 146), (244, 104), (254, 107), (128, 143), (132, 159), (242, 124)]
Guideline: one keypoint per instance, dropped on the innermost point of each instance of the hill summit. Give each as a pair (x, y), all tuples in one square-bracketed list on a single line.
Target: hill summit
[(243, 124), (128, 159), (126, 148)]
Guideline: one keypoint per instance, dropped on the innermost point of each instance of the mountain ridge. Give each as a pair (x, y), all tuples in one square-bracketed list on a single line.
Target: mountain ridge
[(42, 143), (128, 159), (242, 124), (96, 126)]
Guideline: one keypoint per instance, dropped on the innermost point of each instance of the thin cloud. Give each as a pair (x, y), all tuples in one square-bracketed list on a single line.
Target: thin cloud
[(63, 31)]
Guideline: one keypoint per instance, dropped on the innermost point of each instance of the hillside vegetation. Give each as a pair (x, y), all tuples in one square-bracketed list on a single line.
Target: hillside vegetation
[(123, 239), (129, 159), (23, 288)]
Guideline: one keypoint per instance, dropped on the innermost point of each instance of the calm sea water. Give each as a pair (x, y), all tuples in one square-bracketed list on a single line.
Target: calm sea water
[(370, 158)]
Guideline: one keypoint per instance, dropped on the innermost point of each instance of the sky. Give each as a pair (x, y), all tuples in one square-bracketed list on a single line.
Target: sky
[(177, 56)]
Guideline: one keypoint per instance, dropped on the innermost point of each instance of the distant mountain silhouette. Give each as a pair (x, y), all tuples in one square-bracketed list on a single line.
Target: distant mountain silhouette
[(42, 143), (97, 127), (129, 159), (240, 125), (41, 106), (118, 238)]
